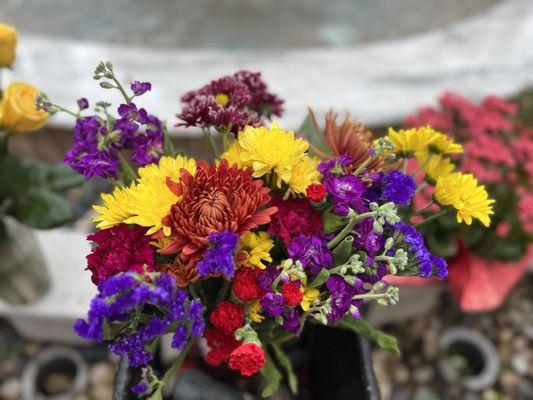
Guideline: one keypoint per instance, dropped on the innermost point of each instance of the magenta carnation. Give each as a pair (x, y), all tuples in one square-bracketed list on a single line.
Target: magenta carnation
[(119, 249)]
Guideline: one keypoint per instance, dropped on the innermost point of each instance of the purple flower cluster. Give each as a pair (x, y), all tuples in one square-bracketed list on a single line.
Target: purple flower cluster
[(97, 142), (422, 262), (119, 301), (394, 186), (311, 252), (273, 303), (342, 294), (230, 103), (219, 257), (366, 239)]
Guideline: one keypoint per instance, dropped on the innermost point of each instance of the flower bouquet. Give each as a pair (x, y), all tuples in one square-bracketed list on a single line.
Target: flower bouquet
[(30, 191), (243, 250), (498, 149)]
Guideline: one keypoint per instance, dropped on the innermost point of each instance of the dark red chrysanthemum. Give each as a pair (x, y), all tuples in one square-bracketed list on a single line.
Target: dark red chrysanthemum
[(227, 317), (245, 286), (220, 346), (119, 249), (214, 199), (248, 359), (294, 217), (292, 294), (316, 192)]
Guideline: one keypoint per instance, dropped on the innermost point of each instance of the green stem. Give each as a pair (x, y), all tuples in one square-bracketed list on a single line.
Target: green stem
[(211, 146), (404, 165), (421, 166), (370, 296), (65, 110), (121, 88), (223, 291), (363, 166), (127, 169), (348, 228), (432, 217), (171, 372), (425, 208)]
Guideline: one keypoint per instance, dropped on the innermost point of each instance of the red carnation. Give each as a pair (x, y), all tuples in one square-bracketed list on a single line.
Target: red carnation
[(294, 217), (316, 192), (248, 359), (228, 317), (119, 249), (245, 285), (292, 294), (220, 346)]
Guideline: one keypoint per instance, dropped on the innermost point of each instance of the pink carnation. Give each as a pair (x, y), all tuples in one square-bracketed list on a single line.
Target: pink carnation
[(119, 249)]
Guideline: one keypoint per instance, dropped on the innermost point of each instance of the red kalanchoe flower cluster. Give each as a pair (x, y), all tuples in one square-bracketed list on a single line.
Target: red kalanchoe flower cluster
[(220, 346), (316, 192), (227, 317), (295, 216), (248, 359), (245, 286), (119, 249), (214, 199), (292, 294)]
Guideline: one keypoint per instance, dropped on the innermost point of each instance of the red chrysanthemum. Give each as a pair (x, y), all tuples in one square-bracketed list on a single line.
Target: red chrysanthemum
[(316, 192), (294, 217), (220, 346), (245, 286), (248, 359), (292, 294), (119, 249), (227, 317), (214, 199)]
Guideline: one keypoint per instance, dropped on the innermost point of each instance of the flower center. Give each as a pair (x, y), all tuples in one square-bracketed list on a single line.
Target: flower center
[(212, 205)]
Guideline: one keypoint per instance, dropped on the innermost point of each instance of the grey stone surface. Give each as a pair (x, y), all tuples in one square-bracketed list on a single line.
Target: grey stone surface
[(488, 52), (197, 385)]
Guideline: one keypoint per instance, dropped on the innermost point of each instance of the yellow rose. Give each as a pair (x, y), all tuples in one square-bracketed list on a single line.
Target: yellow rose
[(17, 109), (8, 42)]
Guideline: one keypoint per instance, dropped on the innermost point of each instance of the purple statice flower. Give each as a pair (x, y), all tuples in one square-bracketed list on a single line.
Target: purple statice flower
[(83, 103), (219, 257), (366, 239), (139, 88), (341, 296), (411, 240), (394, 186), (345, 192), (139, 388), (273, 303), (440, 267), (335, 166), (119, 300), (267, 276), (291, 320), (311, 252)]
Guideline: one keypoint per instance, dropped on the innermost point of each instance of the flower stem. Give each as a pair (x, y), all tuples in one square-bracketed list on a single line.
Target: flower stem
[(342, 234), (127, 169), (363, 165), (432, 217), (121, 88), (176, 364), (223, 291), (425, 208), (421, 166)]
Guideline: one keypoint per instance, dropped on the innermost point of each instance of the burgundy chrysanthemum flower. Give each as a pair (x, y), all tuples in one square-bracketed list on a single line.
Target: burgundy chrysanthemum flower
[(119, 249)]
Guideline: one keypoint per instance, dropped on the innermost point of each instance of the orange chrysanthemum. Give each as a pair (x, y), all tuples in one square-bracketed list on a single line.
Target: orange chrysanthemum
[(350, 138), (214, 199)]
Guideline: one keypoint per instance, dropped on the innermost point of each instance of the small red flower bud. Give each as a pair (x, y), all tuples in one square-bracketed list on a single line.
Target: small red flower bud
[(316, 192), (248, 359), (292, 294), (245, 286)]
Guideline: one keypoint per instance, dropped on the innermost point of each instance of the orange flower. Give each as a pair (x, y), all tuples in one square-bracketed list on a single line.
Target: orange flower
[(214, 199)]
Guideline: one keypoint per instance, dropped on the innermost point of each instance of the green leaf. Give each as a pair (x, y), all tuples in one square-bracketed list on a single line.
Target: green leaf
[(287, 365), (14, 179), (363, 328), (322, 277), (42, 209), (272, 376), (333, 222), (61, 177)]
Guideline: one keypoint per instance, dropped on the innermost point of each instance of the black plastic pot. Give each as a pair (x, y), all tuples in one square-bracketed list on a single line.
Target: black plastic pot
[(340, 367)]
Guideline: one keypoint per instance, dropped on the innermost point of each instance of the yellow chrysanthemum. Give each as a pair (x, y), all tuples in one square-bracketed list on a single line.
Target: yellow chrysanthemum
[(116, 207), (254, 311), (255, 248), (304, 174), (444, 145), (411, 141), (310, 295), (462, 192), (271, 150), (233, 154), (151, 200), (435, 166)]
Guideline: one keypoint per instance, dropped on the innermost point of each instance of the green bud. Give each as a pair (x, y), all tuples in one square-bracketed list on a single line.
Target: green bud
[(106, 85), (389, 243), (109, 65)]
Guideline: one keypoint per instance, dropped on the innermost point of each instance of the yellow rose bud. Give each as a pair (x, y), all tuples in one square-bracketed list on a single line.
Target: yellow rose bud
[(17, 109), (8, 42)]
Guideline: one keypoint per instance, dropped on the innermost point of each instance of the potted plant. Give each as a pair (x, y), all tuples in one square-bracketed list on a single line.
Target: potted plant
[(242, 251), (30, 191)]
